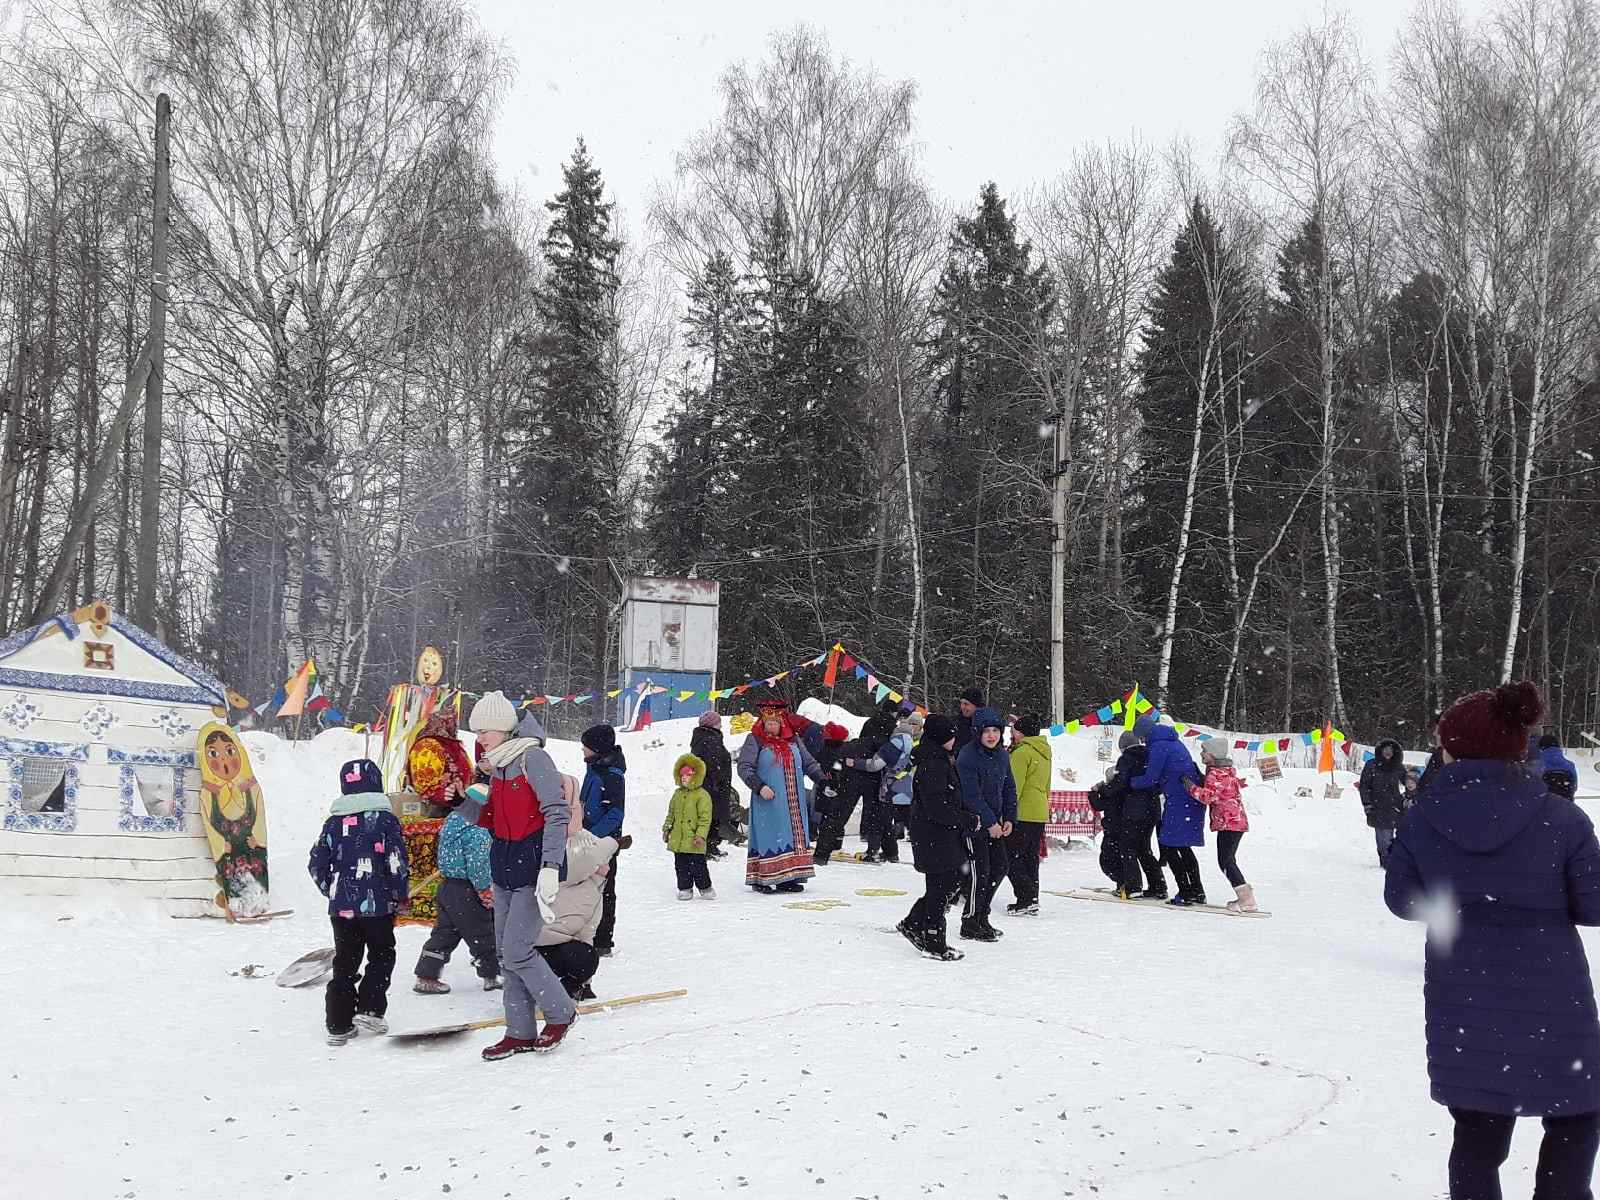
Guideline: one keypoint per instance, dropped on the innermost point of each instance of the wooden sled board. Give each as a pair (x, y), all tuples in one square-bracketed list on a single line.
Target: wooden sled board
[(315, 967), (1113, 898), (595, 1006), (221, 915)]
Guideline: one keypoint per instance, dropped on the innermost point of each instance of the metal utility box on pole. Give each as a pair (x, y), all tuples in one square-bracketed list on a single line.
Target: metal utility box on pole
[(150, 486)]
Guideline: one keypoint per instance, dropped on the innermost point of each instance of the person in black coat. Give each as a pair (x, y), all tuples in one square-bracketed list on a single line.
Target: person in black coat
[(1383, 794), (859, 783), (966, 708), (706, 744), (939, 826), (1125, 854)]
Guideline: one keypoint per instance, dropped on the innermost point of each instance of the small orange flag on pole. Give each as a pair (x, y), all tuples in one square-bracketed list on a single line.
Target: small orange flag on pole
[(831, 675), (1325, 758), (294, 703)]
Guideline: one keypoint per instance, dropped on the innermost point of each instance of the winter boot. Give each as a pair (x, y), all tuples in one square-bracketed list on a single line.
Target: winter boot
[(766, 889), (916, 937), (1029, 908), (708, 893), (794, 885), (1153, 893), (996, 934), (935, 947), (506, 1047), (372, 1024), (1246, 901), (430, 987), (977, 931), (550, 1036), (686, 893), (585, 992), (492, 983), (340, 1037)]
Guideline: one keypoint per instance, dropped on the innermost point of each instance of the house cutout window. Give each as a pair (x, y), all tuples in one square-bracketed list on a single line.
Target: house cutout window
[(44, 785), (156, 789), (99, 656)]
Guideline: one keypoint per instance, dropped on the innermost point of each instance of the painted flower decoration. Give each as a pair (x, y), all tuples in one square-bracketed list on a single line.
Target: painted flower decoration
[(97, 720), (20, 713)]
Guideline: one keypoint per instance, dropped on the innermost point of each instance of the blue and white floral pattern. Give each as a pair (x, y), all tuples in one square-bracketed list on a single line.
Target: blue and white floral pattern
[(14, 753), (97, 720), (20, 713), (171, 722), (132, 816)]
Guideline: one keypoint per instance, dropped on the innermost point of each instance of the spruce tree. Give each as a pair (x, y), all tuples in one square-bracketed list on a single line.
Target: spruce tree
[(565, 508)]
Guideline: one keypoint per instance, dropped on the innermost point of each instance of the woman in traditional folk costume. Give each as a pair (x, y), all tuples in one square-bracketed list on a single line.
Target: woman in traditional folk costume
[(233, 820), (771, 763)]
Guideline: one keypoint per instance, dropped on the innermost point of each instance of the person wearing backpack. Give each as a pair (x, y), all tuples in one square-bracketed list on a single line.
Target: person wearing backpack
[(897, 783)]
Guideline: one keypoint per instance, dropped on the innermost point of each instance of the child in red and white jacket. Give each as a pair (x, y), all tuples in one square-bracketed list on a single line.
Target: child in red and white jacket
[(1223, 795)]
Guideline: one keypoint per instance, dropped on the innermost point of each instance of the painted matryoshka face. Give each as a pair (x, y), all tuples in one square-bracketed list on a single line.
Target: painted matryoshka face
[(222, 755), (430, 666)]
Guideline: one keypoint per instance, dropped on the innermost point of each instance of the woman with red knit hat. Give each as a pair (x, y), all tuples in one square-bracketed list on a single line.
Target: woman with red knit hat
[(1504, 872)]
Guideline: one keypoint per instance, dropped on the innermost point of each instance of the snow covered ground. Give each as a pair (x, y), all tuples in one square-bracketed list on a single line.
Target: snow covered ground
[(1099, 1050)]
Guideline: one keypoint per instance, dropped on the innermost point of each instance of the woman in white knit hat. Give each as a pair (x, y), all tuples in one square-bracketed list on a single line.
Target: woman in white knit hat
[(527, 811)]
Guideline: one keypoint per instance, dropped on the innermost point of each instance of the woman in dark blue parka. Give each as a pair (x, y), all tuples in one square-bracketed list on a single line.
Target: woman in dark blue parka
[(1504, 872)]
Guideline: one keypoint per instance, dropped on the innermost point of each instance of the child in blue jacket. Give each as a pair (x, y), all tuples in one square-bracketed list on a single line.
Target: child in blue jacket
[(461, 915), (359, 864)]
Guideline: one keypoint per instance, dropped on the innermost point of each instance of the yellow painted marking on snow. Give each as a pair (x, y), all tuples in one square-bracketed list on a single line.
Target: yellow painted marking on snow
[(817, 905), (879, 892)]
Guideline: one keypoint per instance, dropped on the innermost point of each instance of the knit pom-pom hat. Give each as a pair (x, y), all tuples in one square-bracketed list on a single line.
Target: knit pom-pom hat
[(1493, 723), (493, 713)]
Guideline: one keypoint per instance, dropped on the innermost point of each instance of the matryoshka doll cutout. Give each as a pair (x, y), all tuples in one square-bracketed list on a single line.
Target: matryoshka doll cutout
[(235, 817)]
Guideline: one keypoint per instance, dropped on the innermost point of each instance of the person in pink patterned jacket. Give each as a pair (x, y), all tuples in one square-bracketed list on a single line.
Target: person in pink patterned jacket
[(1223, 796)]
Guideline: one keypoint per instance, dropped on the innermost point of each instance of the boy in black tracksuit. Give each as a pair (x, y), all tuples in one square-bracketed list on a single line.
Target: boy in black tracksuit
[(939, 823), (1126, 849), (989, 792)]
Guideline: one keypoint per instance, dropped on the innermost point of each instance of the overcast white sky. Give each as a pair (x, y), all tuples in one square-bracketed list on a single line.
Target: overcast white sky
[(1006, 88)]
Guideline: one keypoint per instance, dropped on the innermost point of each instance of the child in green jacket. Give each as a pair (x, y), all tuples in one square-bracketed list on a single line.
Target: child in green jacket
[(688, 823)]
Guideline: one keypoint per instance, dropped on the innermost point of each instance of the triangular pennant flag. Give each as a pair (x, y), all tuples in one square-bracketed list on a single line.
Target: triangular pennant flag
[(682, 696), (1089, 720), (1057, 730), (846, 663), (880, 692), (1074, 726), (872, 681), (613, 695), (297, 690), (896, 697), (860, 671), (533, 700), (741, 689), (1130, 710), (1116, 708), (1240, 744), (778, 676), (1104, 715), (1269, 747)]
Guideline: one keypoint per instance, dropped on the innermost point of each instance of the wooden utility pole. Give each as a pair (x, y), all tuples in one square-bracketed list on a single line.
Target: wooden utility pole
[(1058, 567), (150, 486)]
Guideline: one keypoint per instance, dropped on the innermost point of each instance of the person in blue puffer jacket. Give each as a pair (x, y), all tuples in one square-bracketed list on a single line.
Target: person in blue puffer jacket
[(359, 863), (1503, 872), (462, 856), (1183, 818), (604, 797), (1559, 772), (989, 792)]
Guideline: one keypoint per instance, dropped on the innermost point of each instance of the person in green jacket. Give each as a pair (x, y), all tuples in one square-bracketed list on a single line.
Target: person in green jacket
[(688, 822), (1030, 767)]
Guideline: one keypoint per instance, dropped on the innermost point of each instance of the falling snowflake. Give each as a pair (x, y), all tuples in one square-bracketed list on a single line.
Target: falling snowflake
[(1047, 430), (97, 720), (563, 565), (173, 724), (20, 713), (1443, 918)]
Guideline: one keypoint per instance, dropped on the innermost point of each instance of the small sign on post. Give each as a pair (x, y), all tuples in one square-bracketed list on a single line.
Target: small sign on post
[(1271, 768)]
